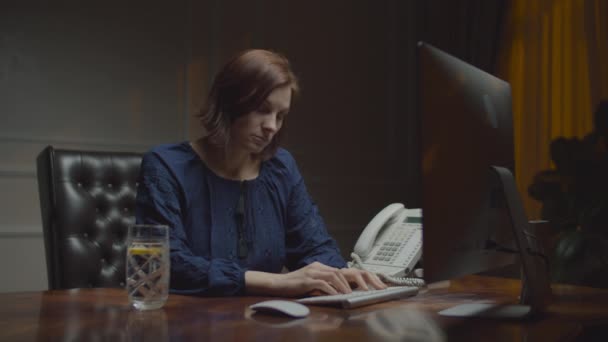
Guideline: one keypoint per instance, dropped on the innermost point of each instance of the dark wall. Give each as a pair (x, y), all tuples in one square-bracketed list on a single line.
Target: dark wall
[(468, 29), (354, 129), (126, 76), (129, 75), (350, 130), (103, 76)]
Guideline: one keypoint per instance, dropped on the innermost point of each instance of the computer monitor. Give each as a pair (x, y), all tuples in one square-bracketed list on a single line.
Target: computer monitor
[(472, 213)]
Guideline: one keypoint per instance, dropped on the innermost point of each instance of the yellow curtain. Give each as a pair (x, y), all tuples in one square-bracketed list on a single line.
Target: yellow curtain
[(555, 55)]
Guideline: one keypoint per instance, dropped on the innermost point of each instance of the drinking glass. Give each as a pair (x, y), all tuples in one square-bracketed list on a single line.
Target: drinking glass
[(148, 266)]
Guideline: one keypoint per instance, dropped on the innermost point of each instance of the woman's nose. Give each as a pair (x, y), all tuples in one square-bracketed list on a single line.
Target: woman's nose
[(270, 124)]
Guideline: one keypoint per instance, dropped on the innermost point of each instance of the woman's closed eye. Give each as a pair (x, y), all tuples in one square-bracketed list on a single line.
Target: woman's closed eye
[(264, 109), (281, 116)]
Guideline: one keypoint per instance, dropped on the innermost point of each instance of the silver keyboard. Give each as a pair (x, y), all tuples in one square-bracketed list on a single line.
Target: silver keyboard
[(361, 298)]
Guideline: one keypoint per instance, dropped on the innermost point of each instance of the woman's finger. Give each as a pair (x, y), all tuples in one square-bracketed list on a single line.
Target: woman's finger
[(322, 285), (344, 280), (341, 283), (355, 275), (374, 280), (332, 278)]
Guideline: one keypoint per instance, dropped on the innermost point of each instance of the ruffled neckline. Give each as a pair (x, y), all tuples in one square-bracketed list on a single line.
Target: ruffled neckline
[(261, 174)]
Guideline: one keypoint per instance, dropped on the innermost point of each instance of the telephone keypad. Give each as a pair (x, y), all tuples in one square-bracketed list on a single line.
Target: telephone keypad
[(392, 247)]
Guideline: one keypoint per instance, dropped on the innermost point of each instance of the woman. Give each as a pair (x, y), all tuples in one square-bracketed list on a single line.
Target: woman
[(236, 203)]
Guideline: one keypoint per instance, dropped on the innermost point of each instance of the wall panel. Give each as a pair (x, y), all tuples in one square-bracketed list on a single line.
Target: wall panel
[(81, 76), (124, 77)]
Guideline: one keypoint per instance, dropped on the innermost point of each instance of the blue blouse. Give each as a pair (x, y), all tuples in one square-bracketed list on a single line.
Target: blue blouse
[(282, 225)]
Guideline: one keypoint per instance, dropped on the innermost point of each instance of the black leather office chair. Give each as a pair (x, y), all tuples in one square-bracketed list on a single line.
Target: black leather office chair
[(87, 201)]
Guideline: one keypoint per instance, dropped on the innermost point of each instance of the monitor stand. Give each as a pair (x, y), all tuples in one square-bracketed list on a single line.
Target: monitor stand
[(535, 289)]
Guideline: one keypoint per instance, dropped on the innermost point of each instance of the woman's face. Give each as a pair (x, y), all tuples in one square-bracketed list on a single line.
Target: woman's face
[(252, 132)]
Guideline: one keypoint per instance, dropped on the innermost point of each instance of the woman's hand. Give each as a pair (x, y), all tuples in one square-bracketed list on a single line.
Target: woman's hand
[(362, 279), (311, 278)]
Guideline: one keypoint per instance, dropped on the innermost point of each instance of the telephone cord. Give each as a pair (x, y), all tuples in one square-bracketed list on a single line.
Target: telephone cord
[(403, 281)]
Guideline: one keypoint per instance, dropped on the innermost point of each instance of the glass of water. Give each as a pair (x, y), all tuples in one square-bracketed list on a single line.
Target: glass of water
[(148, 266)]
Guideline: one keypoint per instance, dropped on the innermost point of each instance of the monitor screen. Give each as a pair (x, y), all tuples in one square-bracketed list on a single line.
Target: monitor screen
[(465, 128)]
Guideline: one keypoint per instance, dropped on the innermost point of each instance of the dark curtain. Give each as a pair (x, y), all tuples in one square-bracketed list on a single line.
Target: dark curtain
[(467, 29)]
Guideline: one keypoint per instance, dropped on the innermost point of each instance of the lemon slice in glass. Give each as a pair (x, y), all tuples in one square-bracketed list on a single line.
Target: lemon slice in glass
[(141, 250)]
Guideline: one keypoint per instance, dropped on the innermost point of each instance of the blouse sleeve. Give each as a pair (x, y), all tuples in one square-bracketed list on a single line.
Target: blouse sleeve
[(307, 239), (160, 201)]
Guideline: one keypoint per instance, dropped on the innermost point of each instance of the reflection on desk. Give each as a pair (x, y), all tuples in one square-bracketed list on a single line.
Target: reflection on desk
[(104, 314), (391, 324), (401, 324)]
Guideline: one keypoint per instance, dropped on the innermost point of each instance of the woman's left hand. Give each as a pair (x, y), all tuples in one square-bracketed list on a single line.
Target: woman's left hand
[(362, 279)]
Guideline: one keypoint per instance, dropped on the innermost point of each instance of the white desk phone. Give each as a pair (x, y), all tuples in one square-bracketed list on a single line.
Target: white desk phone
[(391, 245)]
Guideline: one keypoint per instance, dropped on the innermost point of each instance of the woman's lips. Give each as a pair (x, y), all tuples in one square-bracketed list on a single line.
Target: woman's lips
[(260, 140)]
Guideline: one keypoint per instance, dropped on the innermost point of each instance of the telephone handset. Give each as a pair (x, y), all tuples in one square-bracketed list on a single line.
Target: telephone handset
[(391, 245)]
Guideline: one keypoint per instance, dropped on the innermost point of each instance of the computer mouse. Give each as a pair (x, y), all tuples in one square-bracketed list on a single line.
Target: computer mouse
[(282, 307)]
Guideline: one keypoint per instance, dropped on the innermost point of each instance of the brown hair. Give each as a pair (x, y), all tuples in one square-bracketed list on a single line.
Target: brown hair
[(241, 87)]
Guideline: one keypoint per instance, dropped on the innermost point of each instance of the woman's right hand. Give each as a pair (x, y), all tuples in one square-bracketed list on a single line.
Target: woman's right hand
[(312, 278)]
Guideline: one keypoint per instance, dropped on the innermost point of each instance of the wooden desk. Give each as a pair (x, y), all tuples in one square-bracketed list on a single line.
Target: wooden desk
[(104, 315)]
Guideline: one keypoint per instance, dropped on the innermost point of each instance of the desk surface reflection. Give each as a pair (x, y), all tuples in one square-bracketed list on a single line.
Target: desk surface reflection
[(104, 314)]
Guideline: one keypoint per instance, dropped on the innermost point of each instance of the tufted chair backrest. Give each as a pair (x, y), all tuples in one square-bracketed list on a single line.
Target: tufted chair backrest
[(87, 201)]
